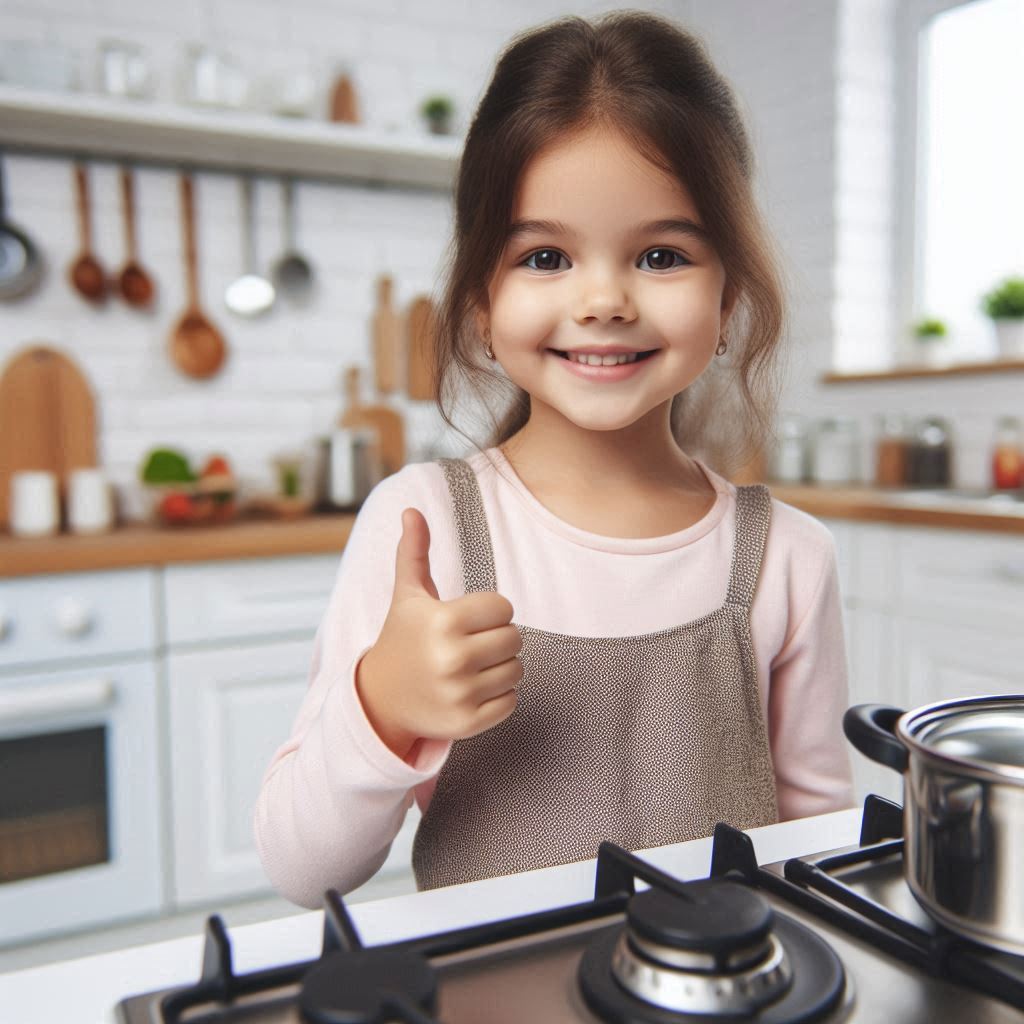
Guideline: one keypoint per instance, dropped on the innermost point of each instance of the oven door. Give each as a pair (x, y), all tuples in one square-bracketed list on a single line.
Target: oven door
[(79, 799)]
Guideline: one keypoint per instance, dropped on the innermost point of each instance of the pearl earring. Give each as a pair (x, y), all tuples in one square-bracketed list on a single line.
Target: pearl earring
[(722, 346), (488, 351)]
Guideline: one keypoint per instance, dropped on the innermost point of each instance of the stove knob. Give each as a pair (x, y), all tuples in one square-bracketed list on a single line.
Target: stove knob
[(74, 619)]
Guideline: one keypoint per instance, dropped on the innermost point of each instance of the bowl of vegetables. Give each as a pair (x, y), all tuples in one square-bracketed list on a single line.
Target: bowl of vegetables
[(180, 496)]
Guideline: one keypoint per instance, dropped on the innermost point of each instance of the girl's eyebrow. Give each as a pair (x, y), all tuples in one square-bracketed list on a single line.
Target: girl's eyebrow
[(677, 225)]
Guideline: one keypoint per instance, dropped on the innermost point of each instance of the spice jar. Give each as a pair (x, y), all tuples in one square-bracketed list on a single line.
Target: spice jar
[(891, 450), (1007, 459), (931, 456)]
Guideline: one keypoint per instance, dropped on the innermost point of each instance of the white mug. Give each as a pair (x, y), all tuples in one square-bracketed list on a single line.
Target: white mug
[(90, 509), (34, 503)]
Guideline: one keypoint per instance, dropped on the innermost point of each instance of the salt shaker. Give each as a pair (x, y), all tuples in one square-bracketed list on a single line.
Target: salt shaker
[(790, 465)]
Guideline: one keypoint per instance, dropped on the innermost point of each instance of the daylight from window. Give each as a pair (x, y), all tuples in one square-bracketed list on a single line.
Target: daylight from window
[(972, 165)]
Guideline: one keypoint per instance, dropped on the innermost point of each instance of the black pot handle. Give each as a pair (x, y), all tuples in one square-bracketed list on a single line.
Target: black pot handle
[(871, 728)]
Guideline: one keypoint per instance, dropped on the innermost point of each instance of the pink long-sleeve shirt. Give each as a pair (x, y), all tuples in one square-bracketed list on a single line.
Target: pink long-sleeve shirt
[(334, 796)]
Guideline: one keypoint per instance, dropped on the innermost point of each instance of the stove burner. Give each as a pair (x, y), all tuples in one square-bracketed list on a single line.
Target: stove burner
[(368, 986), (718, 926), (718, 951)]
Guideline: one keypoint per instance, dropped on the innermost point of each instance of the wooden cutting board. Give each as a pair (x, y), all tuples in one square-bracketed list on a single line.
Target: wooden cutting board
[(422, 335), (385, 422), (47, 417), (387, 326)]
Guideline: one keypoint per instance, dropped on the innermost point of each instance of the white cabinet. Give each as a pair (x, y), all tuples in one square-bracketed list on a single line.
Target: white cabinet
[(240, 641), (931, 614), (230, 709)]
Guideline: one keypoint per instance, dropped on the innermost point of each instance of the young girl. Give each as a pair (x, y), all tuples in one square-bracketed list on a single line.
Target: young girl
[(582, 632)]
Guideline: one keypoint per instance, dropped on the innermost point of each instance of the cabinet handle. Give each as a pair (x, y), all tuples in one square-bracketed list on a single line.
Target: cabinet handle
[(55, 699)]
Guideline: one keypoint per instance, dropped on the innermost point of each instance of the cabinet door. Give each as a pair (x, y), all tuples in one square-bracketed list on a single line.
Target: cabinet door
[(946, 660), (229, 711)]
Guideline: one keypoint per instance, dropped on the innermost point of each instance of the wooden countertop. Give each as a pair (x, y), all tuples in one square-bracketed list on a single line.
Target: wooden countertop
[(136, 545), (139, 544), (952, 511)]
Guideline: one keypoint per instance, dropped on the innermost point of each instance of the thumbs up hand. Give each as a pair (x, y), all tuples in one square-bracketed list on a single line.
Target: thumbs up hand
[(439, 669)]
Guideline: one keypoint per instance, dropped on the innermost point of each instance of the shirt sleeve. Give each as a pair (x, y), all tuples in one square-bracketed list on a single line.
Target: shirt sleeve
[(334, 796), (807, 698)]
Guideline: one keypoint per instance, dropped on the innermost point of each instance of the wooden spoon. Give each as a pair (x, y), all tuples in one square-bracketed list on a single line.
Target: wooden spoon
[(135, 284), (197, 347), (87, 276)]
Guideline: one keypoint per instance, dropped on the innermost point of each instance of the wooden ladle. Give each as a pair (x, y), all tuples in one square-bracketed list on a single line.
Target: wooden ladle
[(134, 283), (197, 347), (87, 276)]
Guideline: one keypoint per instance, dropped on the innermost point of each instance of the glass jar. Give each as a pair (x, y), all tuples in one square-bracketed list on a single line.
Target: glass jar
[(1007, 458), (836, 452), (931, 454), (790, 464), (891, 450)]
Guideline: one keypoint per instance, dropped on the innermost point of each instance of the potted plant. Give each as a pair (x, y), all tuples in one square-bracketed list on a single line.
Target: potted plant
[(437, 111), (930, 335), (1005, 305)]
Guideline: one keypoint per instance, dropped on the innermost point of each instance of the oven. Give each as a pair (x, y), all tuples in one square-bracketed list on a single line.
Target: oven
[(80, 799)]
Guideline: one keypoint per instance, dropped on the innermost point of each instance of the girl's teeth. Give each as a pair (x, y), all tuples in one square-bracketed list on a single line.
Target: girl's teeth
[(592, 359)]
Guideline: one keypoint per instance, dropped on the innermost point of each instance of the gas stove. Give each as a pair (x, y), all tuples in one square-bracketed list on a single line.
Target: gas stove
[(833, 938)]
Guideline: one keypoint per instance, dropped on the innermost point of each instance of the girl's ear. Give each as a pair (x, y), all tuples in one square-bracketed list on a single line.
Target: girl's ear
[(482, 320), (730, 296)]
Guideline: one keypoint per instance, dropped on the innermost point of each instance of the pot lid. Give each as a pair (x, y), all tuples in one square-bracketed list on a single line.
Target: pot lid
[(989, 731)]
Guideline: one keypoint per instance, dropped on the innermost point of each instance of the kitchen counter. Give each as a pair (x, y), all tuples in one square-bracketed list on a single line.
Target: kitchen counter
[(950, 509), (140, 544), (87, 990)]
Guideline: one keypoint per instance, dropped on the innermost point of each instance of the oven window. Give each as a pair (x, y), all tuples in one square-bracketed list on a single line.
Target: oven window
[(53, 803)]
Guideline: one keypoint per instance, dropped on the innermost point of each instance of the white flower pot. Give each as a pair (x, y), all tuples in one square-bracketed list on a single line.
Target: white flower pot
[(1010, 337)]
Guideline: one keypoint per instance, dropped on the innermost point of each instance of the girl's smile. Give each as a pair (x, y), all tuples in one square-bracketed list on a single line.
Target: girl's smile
[(609, 298)]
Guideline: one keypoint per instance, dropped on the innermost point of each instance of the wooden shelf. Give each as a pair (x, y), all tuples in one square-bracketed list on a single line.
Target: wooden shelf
[(87, 125), (929, 372)]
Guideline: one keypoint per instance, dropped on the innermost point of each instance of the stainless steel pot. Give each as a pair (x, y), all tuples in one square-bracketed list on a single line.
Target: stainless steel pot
[(963, 808)]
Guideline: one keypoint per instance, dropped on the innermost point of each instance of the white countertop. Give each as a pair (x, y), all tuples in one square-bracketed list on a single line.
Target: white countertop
[(85, 991)]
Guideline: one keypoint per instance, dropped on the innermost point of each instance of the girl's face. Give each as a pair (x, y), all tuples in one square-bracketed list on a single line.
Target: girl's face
[(607, 262)]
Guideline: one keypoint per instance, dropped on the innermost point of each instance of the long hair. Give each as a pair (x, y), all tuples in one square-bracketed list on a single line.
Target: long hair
[(655, 83)]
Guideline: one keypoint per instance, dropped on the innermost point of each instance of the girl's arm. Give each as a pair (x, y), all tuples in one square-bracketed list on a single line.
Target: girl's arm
[(808, 693), (334, 796)]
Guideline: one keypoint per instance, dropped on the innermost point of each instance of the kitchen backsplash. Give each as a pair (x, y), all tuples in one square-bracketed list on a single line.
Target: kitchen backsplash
[(282, 384)]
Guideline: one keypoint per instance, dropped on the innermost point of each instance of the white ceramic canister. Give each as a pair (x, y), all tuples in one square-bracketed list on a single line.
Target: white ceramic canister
[(34, 503), (90, 508)]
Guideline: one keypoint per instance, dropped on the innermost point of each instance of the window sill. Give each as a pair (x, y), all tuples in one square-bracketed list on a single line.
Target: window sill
[(930, 372)]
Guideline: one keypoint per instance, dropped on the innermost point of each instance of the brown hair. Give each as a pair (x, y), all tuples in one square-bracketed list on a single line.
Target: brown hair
[(655, 83)]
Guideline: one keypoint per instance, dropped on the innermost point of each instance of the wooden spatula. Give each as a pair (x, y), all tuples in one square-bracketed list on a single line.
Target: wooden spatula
[(422, 334), (384, 421), (47, 417), (387, 326)]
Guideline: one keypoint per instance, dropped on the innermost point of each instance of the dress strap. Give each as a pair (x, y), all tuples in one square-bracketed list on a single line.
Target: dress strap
[(471, 523), (753, 516)]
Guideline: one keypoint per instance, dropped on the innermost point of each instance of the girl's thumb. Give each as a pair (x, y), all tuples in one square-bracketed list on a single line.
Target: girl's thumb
[(412, 560)]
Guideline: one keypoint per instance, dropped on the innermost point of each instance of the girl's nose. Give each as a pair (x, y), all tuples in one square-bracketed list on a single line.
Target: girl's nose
[(603, 296)]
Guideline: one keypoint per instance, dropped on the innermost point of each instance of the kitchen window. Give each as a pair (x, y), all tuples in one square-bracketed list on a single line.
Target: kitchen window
[(970, 157)]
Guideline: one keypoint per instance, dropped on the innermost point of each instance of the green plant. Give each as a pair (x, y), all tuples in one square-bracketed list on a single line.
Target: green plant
[(167, 466), (437, 108), (1006, 300), (930, 328)]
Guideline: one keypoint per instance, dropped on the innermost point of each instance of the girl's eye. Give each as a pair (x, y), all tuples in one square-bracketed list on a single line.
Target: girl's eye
[(662, 259), (544, 259)]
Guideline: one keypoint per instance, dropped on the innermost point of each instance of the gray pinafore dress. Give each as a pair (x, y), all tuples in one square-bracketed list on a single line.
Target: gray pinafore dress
[(644, 740)]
